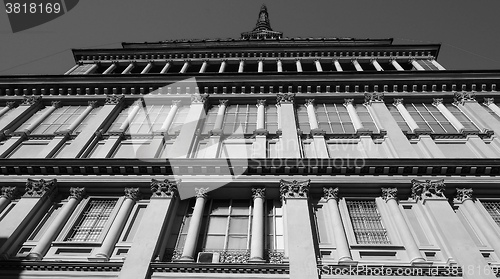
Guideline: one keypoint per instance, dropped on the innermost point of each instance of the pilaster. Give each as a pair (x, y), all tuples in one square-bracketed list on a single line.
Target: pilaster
[(289, 140)]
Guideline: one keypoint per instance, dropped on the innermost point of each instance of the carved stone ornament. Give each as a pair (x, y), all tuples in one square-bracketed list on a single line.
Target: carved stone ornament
[(294, 189), (31, 100), (176, 103), (114, 99), (93, 104), (8, 193), (374, 97), (331, 193), (164, 189), (427, 189), (462, 97), (309, 102), (348, 102), (11, 105), (261, 102), (132, 193), (223, 103), (398, 101), (489, 101), (234, 256), (56, 104), (437, 101), (259, 193), (464, 194), (77, 193), (38, 188), (199, 98), (285, 98), (389, 193), (201, 192)]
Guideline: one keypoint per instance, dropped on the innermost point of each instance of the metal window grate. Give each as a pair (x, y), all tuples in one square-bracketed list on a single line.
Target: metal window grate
[(493, 209), (89, 226), (367, 223)]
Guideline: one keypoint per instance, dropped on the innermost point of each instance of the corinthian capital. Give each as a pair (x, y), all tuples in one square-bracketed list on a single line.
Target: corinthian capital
[(199, 98), (389, 193), (463, 194), (201, 192), (259, 193), (285, 98), (132, 193), (427, 189), (331, 193), (77, 193), (294, 189), (8, 193), (164, 189), (374, 97), (38, 188)]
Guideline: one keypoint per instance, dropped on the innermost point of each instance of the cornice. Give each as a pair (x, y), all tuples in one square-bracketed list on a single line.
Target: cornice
[(61, 266), (220, 268)]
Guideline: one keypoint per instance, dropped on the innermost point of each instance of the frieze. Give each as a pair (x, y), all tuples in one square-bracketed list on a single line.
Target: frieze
[(294, 189), (427, 189), (38, 188), (164, 188)]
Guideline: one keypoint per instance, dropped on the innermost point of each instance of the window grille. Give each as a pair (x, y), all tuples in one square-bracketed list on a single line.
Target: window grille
[(303, 120), (427, 65), (334, 119), (366, 118), (236, 116), (210, 119), (82, 69), (430, 118), (366, 222), (92, 221), (399, 119), (464, 120), (271, 119), (493, 209)]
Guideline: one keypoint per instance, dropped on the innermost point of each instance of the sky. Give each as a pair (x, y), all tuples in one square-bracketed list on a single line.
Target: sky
[(468, 30)]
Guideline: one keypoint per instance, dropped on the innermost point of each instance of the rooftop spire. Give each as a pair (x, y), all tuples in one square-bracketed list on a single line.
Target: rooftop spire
[(262, 28)]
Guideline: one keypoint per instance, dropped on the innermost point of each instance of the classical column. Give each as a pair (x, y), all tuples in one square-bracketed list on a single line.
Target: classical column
[(356, 65), (104, 252), (109, 69), (299, 65), (398, 103), (194, 226), (258, 218), (147, 68), (220, 115), (128, 69), (376, 65), (456, 239), (279, 65), (261, 114), (435, 63), (390, 197), (317, 134), (151, 232), (241, 67), (222, 66), (43, 245), (54, 105), (91, 105), (8, 106), (302, 256), (311, 114), (170, 117), (438, 103), (72, 69), (318, 66), (203, 67), (336, 63), (464, 196), (6, 197), (91, 69), (165, 68), (396, 65), (356, 122), (184, 67), (341, 244), (159, 137), (260, 66), (289, 141), (416, 65)]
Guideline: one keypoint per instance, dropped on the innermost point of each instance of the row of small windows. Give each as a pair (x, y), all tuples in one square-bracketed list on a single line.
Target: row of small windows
[(251, 66)]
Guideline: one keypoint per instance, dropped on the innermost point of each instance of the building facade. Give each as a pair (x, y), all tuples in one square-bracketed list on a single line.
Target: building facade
[(258, 157)]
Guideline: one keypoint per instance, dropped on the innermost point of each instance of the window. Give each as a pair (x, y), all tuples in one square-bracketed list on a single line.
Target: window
[(147, 120), (464, 120), (82, 69), (493, 208), (366, 222), (32, 119), (92, 221), (178, 121), (272, 119), (29, 149), (430, 118), (240, 119), (399, 119), (427, 65), (274, 226), (334, 119), (303, 120), (366, 118), (210, 119)]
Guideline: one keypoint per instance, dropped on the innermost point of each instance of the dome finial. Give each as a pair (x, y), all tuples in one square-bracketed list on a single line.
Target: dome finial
[(262, 28)]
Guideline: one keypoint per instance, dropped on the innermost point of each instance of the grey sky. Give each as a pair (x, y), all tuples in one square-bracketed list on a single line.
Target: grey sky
[(468, 30)]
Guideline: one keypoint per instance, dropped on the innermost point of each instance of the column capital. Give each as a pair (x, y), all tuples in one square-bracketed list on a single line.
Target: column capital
[(489, 101), (8, 193), (11, 104), (114, 99), (176, 103), (389, 194), (201, 192), (223, 103), (259, 193), (285, 98), (139, 103), (331, 193), (261, 102), (132, 193), (294, 189), (398, 101), (374, 97), (462, 97), (437, 101), (427, 189), (56, 104), (309, 102), (38, 188), (77, 193), (348, 101), (463, 194), (164, 188), (93, 104), (31, 100), (199, 98)]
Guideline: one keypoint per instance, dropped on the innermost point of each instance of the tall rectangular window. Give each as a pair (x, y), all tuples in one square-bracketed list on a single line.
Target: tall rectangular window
[(366, 118), (430, 118), (493, 209), (92, 221), (274, 227), (334, 119), (367, 222), (464, 120), (303, 120), (399, 119), (59, 120), (272, 119), (240, 119)]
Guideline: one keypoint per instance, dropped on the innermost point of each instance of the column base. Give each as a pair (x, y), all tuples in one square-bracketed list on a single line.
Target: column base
[(347, 261), (34, 256), (184, 260), (98, 258), (420, 262), (256, 260)]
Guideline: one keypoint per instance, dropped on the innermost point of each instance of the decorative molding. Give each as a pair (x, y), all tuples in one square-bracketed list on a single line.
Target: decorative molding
[(77, 193), (261, 102), (464, 194), (56, 104), (309, 102), (199, 98), (164, 189), (331, 193), (489, 101), (8, 193), (389, 193), (31, 100), (427, 189), (294, 189), (285, 98), (275, 257), (223, 103), (133, 194), (11, 104), (234, 256), (259, 193), (38, 188), (374, 97), (462, 97), (114, 99), (437, 101), (398, 101), (201, 192), (348, 102)]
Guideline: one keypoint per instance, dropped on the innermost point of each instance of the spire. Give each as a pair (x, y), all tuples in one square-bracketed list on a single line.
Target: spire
[(263, 28)]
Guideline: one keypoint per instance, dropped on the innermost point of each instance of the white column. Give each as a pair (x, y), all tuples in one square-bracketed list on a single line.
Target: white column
[(81, 117), (41, 118), (91, 69), (9, 106), (135, 109), (341, 244), (165, 68), (396, 65), (170, 117), (106, 250), (398, 103), (318, 66), (377, 65), (356, 65), (222, 66), (43, 245), (203, 67), (356, 122), (336, 63), (194, 226), (257, 241), (128, 69), (313, 122), (184, 67), (260, 66), (261, 114), (279, 65), (299, 65), (109, 69), (241, 66), (390, 196), (6, 196), (438, 103), (220, 114), (435, 63), (147, 68), (416, 65)]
